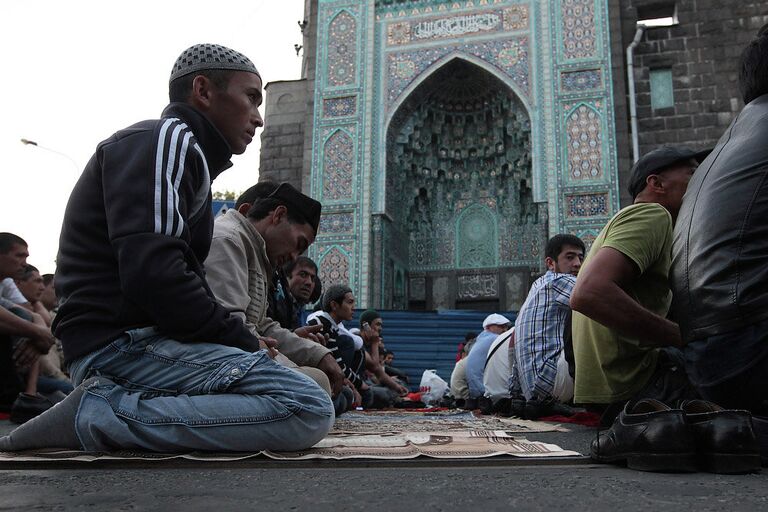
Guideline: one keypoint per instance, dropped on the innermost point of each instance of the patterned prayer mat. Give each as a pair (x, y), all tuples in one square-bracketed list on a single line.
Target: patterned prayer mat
[(377, 422), (384, 435), (472, 444)]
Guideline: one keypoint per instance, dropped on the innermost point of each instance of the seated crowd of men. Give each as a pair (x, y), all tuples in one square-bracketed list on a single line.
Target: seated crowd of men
[(178, 335)]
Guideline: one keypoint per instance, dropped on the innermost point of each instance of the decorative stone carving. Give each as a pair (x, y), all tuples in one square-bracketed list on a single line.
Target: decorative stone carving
[(336, 224), (334, 268), (584, 133), (584, 80), (478, 286), (418, 288), (578, 28), (338, 166), (441, 293), (510, 55), (342, 50), (516, 17), (476, 233), (460, 172), (340, 107), (456, 26), (587, 205)]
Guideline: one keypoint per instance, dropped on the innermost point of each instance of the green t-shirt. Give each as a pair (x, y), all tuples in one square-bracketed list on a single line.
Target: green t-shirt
[(611, 367)]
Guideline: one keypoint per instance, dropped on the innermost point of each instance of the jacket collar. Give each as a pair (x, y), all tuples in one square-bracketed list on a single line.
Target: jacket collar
[(258, 241), (323, 314), (215, 148)]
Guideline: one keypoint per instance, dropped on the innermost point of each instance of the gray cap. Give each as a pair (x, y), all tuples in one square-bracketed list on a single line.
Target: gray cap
[(657, 161), (207, 56)]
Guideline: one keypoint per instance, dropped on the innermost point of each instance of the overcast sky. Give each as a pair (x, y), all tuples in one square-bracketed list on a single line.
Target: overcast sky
[(76, 71)]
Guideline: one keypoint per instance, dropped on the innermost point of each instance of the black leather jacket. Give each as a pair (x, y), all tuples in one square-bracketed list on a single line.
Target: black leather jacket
[(720, 252)]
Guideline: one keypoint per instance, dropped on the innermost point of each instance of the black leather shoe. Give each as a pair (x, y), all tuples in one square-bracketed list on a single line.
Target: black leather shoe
[(724, 438), (26, 407), (649, 436), (760, 423)]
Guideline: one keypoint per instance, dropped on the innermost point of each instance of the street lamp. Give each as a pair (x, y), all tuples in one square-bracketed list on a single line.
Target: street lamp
[(28, 142)]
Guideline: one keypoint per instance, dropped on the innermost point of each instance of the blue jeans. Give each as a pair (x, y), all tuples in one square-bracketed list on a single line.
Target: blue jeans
[(47, 384), (169, 396)]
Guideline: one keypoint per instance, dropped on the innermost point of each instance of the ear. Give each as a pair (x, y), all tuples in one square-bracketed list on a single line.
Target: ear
[(243, 209), (278, 214), (550, 263), (654, 182), (200, 96)]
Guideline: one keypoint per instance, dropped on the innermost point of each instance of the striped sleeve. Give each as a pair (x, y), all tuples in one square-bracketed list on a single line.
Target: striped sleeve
[(175, 145)]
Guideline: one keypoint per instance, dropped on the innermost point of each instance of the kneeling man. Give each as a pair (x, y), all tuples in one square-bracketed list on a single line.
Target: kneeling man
[(624, 345), (541, 368)]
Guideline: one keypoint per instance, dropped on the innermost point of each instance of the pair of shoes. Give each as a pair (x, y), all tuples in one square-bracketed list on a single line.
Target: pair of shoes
[(26, 407), (485, 404), (724, 438), (650, 436), (535, 409)]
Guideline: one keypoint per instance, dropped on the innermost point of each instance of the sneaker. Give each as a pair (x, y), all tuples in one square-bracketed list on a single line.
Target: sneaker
[(725, 439), (648, 436), (26, 407)]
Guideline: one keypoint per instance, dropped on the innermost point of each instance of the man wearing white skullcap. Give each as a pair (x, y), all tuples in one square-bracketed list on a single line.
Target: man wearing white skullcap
[(493, 325), (160, 364)]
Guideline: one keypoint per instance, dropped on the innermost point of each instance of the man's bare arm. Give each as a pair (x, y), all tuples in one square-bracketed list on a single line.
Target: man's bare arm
[(41, 337), (600, 295)]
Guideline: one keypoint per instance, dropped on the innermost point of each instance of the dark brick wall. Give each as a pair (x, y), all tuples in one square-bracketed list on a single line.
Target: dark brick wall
[(703, 53)]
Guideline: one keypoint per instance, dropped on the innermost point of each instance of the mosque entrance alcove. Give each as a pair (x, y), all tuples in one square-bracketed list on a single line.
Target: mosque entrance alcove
[(463, 229)]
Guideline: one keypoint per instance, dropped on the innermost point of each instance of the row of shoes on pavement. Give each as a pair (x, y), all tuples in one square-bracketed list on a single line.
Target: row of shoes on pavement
[(696, 436), (519, 407)]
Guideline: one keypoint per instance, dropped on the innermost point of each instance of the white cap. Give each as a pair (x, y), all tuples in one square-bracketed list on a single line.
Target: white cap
[(495, 319)]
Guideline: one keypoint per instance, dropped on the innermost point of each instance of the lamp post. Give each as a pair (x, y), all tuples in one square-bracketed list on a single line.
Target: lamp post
[(28, 142)]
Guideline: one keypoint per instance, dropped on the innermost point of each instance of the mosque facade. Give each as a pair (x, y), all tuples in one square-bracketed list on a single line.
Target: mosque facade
[(447, 140)]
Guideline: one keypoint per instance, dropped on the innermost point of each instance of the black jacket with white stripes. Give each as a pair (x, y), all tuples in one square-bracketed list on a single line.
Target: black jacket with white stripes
[(135, 233)]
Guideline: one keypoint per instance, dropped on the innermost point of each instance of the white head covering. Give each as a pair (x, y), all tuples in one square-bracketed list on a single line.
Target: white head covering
[(495, 319)]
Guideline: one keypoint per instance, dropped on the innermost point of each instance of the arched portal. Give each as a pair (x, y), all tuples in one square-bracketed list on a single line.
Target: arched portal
[(459, 191)]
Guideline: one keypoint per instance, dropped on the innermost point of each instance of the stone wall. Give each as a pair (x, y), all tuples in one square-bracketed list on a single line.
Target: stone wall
[(702, 51), (282, 140)]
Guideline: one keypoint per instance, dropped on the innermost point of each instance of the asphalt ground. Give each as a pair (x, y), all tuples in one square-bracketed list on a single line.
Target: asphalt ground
[(420, 484)]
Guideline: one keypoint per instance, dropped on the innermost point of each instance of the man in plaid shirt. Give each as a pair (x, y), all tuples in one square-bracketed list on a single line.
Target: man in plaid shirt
[(541, 371)]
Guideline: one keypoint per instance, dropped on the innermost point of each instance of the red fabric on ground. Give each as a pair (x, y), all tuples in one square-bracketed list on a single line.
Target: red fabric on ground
[(413, 397), (588, 419)]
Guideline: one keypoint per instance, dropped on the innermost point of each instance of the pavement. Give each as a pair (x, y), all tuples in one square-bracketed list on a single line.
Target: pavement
[(420, 485)]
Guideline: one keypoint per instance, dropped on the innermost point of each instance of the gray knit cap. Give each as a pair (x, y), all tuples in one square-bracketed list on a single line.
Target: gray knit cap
[(206, 56)]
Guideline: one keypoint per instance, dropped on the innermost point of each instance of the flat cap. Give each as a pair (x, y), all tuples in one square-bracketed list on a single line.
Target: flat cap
[(656, 161)]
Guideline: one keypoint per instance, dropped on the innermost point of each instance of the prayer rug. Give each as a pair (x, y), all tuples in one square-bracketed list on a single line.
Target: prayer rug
[(378, 422), (468, 444)]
